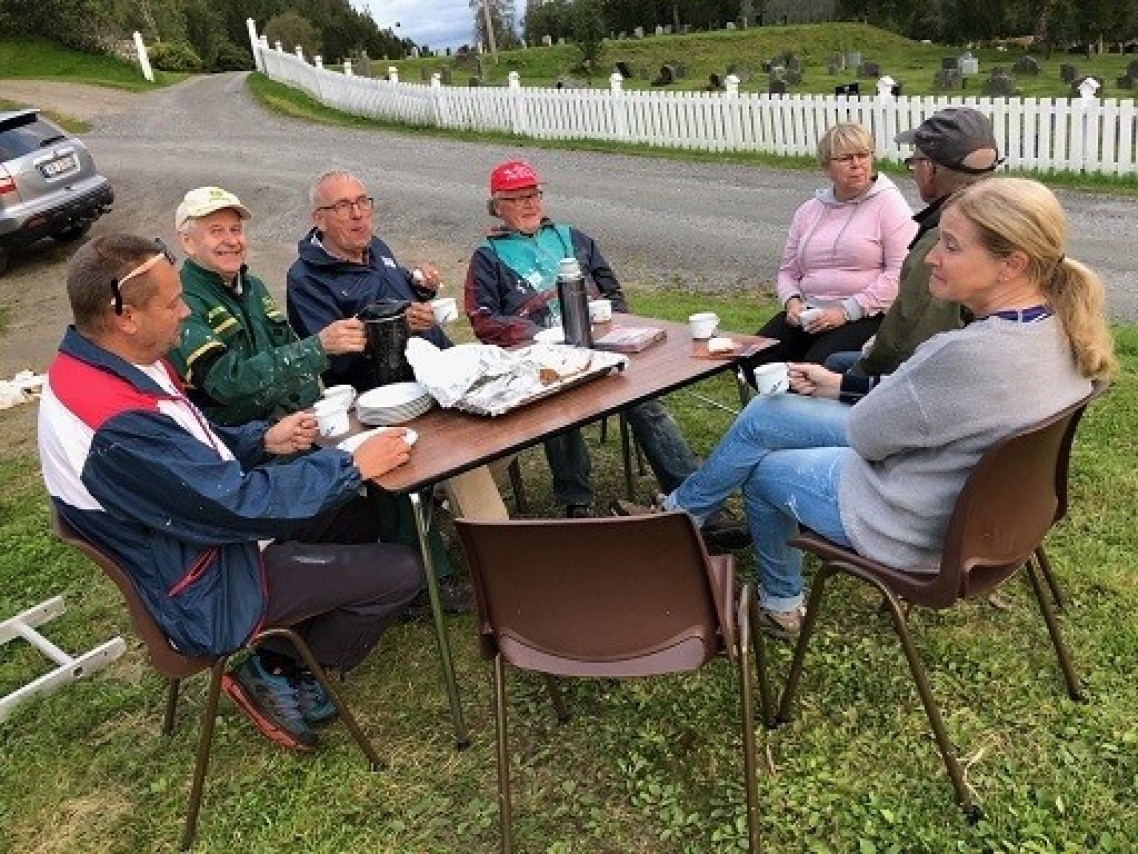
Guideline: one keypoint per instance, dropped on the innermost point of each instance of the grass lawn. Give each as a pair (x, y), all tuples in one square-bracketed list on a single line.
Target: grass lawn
[(647, 766), (22, 57)]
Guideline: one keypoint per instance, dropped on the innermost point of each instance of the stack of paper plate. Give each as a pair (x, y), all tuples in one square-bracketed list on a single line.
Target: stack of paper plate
[(393, 404)]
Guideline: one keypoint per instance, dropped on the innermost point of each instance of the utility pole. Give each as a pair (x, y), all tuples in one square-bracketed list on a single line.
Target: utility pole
[(490, 30)]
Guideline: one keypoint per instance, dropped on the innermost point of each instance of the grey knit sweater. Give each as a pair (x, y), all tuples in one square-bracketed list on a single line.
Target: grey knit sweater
[(921, 431)]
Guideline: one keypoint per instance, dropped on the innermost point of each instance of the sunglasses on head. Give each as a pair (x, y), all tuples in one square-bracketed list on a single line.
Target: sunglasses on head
[(141, 269)]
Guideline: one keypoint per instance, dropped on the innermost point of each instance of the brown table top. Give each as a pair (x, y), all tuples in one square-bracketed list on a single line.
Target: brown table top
[(452, 442)]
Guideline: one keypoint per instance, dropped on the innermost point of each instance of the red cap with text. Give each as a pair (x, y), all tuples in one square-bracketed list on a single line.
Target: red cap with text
[(512, 175)]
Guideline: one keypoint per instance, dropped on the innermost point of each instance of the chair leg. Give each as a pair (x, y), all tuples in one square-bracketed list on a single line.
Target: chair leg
[(201, 763), (313, 665), (750, 764), (517, 486), (172, 686), (812, 608), (749, 609), (505, 813), (554, 690), (932, 711), (1057, 594), (1074, 690)]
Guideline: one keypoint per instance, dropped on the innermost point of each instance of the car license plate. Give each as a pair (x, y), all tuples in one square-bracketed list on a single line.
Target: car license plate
[(59, 167)]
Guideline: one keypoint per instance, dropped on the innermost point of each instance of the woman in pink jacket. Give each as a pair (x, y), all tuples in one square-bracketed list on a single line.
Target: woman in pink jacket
[(843, 255)]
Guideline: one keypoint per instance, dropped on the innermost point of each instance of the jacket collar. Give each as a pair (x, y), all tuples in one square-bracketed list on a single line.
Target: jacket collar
[(80, 347)]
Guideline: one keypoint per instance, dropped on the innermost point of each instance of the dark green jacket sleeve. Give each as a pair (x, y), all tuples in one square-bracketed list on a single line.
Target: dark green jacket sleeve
[(241, 361)]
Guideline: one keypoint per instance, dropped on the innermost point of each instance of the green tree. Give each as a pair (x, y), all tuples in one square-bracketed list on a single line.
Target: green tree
[(502, 20), (588, 24), (292, 29)]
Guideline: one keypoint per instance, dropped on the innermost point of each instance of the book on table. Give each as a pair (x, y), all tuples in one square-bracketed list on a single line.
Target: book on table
[(630, 339)]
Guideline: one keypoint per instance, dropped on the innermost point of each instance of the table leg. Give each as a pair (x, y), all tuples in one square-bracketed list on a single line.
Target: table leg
[(422, 524), (474, 495)]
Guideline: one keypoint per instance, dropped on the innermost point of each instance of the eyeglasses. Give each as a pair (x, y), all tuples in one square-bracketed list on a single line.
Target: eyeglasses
[(855, 157), (911, 162), (535, 196), (343, 208), (141, 270)]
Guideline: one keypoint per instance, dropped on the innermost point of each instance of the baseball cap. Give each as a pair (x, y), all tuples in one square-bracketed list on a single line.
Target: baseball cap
[(960, 138), (512, 175), (206, 200)]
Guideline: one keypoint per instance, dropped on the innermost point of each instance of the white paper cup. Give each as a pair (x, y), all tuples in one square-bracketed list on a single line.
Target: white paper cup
[(600, 310), (772, 378), (809, 315), (445, 309), (345, 395), (331, 417), (703, 324)]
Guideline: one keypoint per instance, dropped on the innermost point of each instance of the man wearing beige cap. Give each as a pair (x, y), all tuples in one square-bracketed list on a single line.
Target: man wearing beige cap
[(239, 357)]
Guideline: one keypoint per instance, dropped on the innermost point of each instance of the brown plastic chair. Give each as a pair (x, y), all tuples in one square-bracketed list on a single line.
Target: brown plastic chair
[(1011, 499), (175, 666), (608, 598)]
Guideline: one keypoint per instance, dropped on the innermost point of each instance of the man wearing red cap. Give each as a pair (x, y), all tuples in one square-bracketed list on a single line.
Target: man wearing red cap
[(510, 294)]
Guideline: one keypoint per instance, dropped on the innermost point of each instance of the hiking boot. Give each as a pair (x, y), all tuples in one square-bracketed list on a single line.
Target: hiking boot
[(270, 702), (455, 595), (579, 511), (784, 625), (624, 507), (722, 531), (315, 705)]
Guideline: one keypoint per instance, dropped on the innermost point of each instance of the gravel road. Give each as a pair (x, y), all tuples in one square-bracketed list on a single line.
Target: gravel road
[(708, 226)]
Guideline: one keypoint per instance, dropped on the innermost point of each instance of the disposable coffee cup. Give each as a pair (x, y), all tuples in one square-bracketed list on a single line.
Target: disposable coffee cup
[(331, 417), (772, 378), (600, 310), (703, 324), (445, 310), (809, 315)]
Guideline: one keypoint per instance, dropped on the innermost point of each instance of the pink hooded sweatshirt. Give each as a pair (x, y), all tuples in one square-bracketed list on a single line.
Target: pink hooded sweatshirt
[(848, 253)]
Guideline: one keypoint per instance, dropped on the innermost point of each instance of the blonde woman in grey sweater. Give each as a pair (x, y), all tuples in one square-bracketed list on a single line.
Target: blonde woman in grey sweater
[(887, 486)]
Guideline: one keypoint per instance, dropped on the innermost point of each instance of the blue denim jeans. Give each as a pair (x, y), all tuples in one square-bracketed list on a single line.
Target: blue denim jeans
[(786, 453), (655, 430)]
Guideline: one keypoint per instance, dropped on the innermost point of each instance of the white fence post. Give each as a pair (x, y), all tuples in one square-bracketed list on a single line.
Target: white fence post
[(519, 123), (393, 74), (347, 68), (300, 53), (255, 44), (318, 61), (143, 57)]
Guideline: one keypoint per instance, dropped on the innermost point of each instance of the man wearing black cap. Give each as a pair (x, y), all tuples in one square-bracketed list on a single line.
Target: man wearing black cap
[(954, 147)]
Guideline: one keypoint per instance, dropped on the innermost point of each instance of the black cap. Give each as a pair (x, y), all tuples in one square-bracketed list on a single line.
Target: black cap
[(951, 136)]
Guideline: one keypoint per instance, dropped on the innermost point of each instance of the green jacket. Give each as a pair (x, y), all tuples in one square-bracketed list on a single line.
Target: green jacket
[(239, 358), (915, 315)]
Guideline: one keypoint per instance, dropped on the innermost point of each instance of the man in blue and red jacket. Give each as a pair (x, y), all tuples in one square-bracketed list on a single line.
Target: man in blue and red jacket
[(220, 536)]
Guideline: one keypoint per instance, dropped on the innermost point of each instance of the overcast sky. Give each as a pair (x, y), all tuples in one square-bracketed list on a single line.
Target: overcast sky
[(437, 23)]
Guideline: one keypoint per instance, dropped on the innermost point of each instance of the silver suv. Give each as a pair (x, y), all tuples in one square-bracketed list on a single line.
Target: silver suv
[(49, 186)]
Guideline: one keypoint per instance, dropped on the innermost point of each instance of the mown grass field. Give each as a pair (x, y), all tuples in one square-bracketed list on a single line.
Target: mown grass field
[(648, 766)]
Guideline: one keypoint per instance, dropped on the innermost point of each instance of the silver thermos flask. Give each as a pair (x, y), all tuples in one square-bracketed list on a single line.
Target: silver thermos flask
[(574, 300)]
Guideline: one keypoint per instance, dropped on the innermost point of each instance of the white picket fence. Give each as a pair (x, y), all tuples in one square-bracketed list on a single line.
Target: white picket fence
[(1035, 134)]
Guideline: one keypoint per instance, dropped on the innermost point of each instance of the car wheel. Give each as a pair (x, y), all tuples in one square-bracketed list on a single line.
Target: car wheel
[(73, 233)]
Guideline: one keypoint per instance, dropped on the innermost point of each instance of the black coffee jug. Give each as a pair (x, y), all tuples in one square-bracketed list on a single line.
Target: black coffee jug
[(385, 323)]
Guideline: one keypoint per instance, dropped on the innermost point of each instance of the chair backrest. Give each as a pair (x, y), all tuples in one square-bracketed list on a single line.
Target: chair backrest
[(1013, 496), (165, 658), (610, 597)]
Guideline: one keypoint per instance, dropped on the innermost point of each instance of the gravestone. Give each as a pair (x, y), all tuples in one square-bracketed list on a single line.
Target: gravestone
[(1000, 85), (474, 81), (1132, 69), (949, 63), (1026, 65), (834, 68), (659, 30), (665, 77), (853, 58), (869, 69), (848, 89), (776, 86), (767, 66), (793, 63), (730, 25), (623, 70), (424, 74), (1068, 72), (1125, 82), (714, 83), (793, 76), (969, 64), (547, 41), (638, 33), (948, 78), (445, 76)]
